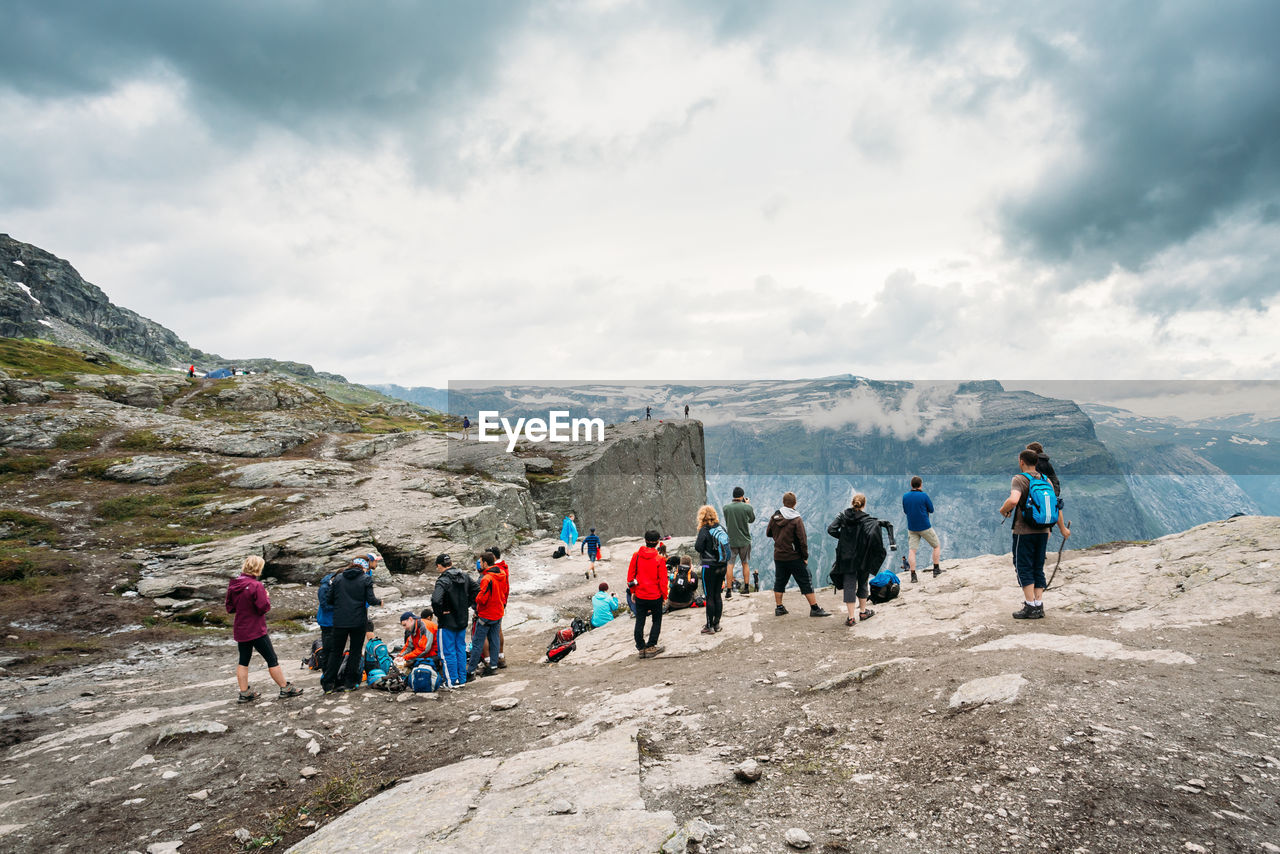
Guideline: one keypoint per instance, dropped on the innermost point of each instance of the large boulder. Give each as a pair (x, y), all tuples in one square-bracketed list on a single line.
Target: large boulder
[(147, 469), (291, 474)]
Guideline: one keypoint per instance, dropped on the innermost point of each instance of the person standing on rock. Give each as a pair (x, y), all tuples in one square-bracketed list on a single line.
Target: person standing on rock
[(686, 412), (454, 594), (738, 516), (568, 533), (490, 607), (591, 544), (501, 566), (248, 603), (648, 413), (647, 583), (350, 595), (859, 555), (466, 427), (918, 507), (791, 556), (1030, 541), (712, 546)]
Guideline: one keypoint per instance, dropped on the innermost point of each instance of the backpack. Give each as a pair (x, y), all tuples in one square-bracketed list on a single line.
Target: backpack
[(559, 553), (884, 587), (423, 679), (1040, 504), (720, 539), (558, 649), (684, 585), (376, 657), (315, 661), (579, 625)]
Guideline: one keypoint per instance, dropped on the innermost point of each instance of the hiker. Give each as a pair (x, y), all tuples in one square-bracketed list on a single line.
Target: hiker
[(648, 413), (647, 581), (568, 533), (324, 618), (452, 598), (860, 553), (191, 372), (791, 556), (591, 543), (738, 516), (918, 507), (501, 566), (686, 412), (489, 611), (1030, 540), (419, 641), (682, 584), (350, 594), (466, 427), (712, 546), (1044, 467), (604, 606), (247, 601)]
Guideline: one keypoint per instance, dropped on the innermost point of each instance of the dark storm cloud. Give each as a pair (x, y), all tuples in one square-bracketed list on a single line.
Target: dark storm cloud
[(289, 63)]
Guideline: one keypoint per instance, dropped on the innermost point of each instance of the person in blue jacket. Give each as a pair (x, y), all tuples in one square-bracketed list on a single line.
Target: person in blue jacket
[(569, 532), (591, 545), (918, 507), (324, 617), (603, 606)]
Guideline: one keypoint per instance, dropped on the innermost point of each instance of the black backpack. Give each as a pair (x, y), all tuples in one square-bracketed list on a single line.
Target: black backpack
[(559, 553), (315, 661)]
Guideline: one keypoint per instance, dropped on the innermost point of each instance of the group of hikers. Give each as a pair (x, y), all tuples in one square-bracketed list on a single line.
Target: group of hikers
[(655, 583)]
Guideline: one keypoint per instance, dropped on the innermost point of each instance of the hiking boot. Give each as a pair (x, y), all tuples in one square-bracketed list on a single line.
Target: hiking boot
[(779, 611), (1028, 612), (914, 578), (746, 590), (728, 594), (654, 651), (1039, 614), (247, 696), (290, 690), (586, 575), (502, 664), (816, 611), (642, 653), (717, 627), (708, 630), (937, 570)]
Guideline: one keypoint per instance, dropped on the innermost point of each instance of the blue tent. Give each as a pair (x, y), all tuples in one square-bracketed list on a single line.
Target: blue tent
[(220, 374)]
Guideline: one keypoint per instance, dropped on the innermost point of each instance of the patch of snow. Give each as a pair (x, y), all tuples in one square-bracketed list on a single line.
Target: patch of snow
[(26, 290), (46, 323), (1246, 440), (19, 263)]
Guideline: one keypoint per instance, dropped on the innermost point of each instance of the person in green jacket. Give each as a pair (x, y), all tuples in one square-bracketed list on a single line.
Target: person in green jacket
[(738, 516)]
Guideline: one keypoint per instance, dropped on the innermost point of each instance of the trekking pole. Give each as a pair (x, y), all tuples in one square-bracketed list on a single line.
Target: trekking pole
[(444, 664), (1059, 563)]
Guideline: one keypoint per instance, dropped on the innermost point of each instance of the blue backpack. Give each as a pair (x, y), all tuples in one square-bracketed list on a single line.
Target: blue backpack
[(1040, 504), (377, 657), (720, 538), (423, 679), (884, 587)]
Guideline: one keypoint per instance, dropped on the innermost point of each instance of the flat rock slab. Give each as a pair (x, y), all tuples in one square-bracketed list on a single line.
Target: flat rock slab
[(291, 474), (681, 634), (1084, 645), (860, 675), (490, 804), (1004, 688), (145, 469)]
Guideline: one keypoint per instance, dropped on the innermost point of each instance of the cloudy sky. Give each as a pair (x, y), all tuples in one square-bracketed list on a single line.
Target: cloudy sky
[(417, 193)]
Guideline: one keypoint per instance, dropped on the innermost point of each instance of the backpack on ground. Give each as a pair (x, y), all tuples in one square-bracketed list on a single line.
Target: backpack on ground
[(884, 587), (579, 625), (1040, 504), (559, 553), (315, 661), (558, 648), (377, 657), (423, 679), (720, 539)]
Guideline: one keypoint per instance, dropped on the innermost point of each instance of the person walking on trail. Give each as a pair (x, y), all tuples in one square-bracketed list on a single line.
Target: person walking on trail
[(1031, 493), (712, 546), (604, 606), (647, 582), (454, 594), (591, 544), (738, 516), (568, 533), (350, 595), (247, 601), (791, 556), (859, 554), (191, 372), (466, 427), (918, 507), (489, 610)]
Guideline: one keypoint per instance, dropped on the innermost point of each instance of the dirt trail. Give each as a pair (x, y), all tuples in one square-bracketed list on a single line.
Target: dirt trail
[(1126, 734)]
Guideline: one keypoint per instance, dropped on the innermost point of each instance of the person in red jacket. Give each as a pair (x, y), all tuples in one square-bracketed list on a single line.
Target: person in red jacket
[(490, 606), (248, 602), (418, 641), (506, 594), (647, 582)]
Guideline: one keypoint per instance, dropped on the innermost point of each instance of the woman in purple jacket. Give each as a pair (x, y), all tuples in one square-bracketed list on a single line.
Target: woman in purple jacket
[(247, 600)]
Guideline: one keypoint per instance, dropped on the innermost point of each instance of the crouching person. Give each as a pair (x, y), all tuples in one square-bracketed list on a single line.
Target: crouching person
[(248, 602)]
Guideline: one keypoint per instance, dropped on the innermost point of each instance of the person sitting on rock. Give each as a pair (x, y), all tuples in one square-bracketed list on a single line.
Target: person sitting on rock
[(604, 606), (247, 601), (419, 641)]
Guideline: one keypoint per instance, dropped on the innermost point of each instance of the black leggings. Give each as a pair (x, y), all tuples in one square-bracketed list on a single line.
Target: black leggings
[(713, 588), (264, 648), (648, 608)]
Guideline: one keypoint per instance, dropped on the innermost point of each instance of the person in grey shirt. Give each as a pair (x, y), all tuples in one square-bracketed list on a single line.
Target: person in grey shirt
[(738, 516)]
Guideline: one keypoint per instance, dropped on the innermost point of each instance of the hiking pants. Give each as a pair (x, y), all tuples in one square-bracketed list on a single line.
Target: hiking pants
[(648, 608), (713, 589), (342, 636), (453, 651), (326, 646), (1028, 558), (490, 629)]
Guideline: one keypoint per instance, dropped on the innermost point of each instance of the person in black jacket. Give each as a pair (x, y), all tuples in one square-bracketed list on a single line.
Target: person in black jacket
[(350, 594), (452, 600), (859, 554), (713, 565)]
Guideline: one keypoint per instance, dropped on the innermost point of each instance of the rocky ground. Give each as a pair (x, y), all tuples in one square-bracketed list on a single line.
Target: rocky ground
[(1141, 715)]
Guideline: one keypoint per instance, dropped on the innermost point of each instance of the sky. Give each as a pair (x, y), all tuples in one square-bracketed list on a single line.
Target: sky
[(608, 190)]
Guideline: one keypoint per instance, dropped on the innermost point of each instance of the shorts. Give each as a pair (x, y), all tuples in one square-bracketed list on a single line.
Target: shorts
[(742, 553), (264, 648), (914, 538), (785, 570), (1028, 558)]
